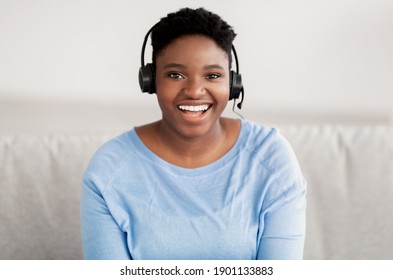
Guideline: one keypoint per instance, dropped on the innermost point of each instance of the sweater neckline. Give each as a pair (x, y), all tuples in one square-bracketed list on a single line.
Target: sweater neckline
[(215, 166)]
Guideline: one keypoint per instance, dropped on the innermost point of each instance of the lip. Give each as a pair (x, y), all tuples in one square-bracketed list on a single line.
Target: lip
[(194, 103), (194, 116), (199, 108)]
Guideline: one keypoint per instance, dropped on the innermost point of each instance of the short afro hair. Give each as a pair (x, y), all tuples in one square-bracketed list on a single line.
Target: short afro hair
[(192, 22)]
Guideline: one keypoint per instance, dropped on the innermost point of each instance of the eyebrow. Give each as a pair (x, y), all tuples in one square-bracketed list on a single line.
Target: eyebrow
[(181, 66), (174, 65), (213, 66)]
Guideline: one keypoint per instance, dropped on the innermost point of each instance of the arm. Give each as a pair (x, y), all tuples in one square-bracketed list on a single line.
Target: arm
[(284, 225), (102, 238)]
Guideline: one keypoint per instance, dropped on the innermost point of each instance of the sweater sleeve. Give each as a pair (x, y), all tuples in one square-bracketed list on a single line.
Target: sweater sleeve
[(102, 238), (284, 227), (283, 215)]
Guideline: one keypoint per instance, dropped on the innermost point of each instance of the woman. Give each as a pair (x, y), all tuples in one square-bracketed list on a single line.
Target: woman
[(194, 185)]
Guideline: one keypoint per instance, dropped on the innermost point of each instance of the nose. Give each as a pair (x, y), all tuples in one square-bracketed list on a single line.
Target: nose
[(194, 88)]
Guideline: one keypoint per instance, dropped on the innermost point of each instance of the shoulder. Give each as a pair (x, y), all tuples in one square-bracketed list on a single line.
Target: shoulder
[(272, 150), (109, 158), (267, 144)]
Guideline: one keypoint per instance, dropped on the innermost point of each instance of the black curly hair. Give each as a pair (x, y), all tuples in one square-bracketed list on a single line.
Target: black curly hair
[(188, 21)]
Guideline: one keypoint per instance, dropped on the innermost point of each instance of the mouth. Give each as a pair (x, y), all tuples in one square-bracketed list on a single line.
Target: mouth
[(190, 108), (194, 111)]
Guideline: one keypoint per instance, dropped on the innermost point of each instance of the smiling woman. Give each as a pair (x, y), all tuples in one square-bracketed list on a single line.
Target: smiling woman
[(192, 74), (194, 185)]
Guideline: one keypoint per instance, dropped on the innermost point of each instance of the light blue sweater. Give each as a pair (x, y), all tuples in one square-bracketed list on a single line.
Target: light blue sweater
[(249, 204)]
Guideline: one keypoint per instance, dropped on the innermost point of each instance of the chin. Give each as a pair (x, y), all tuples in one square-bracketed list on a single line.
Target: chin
[(194, 132)]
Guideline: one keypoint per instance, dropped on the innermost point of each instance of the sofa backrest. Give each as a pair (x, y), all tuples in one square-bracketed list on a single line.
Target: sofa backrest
[(349, 170), (40, 185)]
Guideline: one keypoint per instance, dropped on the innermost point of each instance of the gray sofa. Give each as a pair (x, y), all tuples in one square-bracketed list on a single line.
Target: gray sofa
[(349, 170)]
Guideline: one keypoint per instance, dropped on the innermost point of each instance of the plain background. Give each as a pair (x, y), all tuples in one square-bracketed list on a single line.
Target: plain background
[(69, 66)]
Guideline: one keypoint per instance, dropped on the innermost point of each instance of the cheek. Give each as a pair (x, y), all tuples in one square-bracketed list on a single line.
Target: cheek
[(165, 97), (164, 101), (166, 88), (222, 92)]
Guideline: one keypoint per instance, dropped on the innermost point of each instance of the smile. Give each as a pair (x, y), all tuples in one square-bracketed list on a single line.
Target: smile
[(199, 108)]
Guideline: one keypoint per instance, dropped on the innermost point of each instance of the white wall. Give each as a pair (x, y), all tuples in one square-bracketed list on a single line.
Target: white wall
[(301, 61)]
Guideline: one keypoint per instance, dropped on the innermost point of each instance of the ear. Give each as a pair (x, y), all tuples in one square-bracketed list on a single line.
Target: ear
[(147, 81), (235, 85)]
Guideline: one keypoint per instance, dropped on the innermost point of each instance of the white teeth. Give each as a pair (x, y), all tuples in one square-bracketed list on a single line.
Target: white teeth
[(194, 108)]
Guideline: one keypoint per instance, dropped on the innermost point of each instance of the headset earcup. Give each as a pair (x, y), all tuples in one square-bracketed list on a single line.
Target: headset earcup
[(235, 86), (147, 78)]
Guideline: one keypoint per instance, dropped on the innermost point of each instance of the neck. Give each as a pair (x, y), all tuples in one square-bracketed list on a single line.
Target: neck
[(194, 151)]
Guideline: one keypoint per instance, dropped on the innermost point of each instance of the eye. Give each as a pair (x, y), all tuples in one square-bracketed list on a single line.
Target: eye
[(213, 76), (175, 75)]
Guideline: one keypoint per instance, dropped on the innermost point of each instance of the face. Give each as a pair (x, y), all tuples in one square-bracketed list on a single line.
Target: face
[(192, 84)]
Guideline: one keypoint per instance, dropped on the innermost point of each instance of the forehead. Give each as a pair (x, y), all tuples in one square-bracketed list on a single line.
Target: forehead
[(193, 48)]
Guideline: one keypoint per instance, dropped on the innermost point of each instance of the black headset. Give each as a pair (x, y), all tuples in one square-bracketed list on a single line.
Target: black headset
[(147, 75)]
